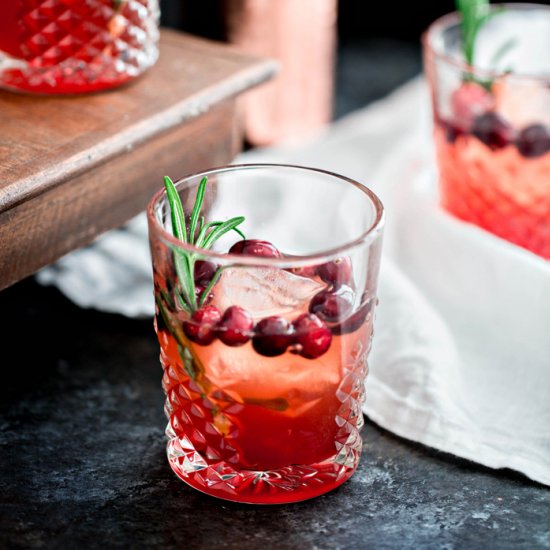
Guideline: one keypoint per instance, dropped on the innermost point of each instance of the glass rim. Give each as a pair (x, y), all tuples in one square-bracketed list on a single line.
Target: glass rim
[(453, 18), (285, 261)]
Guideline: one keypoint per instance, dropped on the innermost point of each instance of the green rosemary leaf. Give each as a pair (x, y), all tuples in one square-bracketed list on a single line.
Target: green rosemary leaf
[(276, 404), (208, 234), (474, 15), (183, 302), (241, 234), (502, 51), (181, 264), (201, 224), (221, 230), (162, 309), (197, 209), (167, 298), (176, 210), (185, 269), (203, 233), (191, 296), (208, 288), (188, 362), (174, 330), (236, 229), (173, 327)]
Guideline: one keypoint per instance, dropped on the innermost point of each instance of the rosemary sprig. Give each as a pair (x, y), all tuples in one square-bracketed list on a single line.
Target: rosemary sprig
[(200, 235), (475, 13)]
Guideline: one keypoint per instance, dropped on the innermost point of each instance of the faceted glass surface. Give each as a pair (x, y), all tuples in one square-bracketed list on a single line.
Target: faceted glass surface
[(492, 124), (72, 46)]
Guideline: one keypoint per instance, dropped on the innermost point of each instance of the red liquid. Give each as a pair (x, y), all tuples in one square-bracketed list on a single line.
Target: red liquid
[(260, 429), (498, 190), (72, 46)]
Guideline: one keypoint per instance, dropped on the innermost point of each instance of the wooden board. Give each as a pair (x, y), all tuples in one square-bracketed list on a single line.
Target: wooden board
[(73, 167)]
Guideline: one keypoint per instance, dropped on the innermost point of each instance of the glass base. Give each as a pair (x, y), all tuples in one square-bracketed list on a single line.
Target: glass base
[(70, 47), (293, 483), (73, 76)]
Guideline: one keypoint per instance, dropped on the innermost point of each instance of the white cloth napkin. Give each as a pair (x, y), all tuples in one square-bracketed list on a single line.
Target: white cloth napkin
[(461, 354)]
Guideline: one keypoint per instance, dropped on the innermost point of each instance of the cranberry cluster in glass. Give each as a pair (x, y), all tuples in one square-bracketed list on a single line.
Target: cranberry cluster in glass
[(474, 114), (309, 335)]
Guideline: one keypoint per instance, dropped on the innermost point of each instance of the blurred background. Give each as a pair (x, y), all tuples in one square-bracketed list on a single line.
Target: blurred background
[(337, 56)]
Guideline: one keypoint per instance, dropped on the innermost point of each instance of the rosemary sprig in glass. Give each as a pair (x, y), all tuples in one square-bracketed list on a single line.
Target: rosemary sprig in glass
[(474, 14), (199, 234)]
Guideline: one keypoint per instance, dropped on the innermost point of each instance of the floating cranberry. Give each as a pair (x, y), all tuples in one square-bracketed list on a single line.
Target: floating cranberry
[(255, 247), (337, 271), (332, 305), (312, 334), (235, 327), (469, 101), (204, 271), (307, 271), (493, 130), (272, 336), (201, 326), (353, 322), (534, 140)]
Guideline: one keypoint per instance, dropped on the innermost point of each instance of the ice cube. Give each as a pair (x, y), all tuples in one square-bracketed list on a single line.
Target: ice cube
[(265, 291)]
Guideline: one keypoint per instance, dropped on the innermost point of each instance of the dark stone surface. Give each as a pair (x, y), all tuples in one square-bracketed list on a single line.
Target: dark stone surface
[(83, 463)]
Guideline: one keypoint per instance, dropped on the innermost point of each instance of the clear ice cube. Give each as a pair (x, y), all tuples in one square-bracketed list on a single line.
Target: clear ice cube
[(265, 291)]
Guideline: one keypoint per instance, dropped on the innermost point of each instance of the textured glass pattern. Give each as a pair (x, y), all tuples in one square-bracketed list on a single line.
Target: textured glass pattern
[(63, 46), (500, 191), (492, 124), (206, 423)]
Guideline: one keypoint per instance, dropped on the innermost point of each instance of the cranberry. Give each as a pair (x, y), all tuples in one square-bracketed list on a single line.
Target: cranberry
[(204, 271), (336, 272), (332, 305), (493, 130), (306, 271), (353, 322), (469, 101), (313, 335), (255, 247), (201, 326), (235, 327), (272, 336), (534, 141)]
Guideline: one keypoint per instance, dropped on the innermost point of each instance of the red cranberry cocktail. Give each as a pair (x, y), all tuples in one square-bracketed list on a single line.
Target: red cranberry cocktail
[(265, 287), (491, 102)]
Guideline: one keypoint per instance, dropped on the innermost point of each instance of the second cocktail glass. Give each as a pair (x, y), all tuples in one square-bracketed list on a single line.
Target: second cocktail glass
[(264, 348), (492, 122)]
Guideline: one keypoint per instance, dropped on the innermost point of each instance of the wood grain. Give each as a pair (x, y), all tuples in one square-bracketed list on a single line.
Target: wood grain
[(73, 167), (35, 233)]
